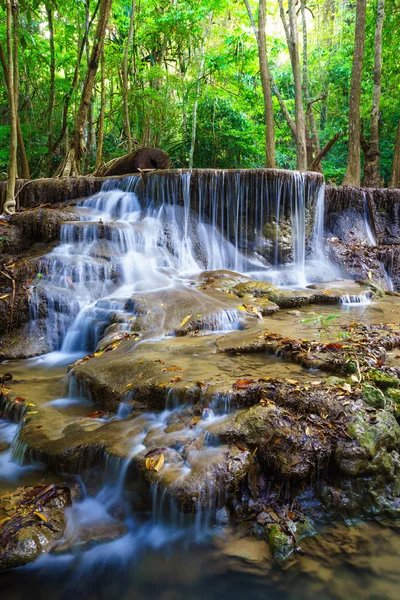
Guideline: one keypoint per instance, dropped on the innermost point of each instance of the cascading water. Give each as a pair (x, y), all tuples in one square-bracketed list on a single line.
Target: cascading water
[(147, 235)]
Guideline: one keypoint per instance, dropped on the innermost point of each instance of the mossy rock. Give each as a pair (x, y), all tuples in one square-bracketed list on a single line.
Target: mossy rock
[(373, 396), (383, 380), (393, 394), (281, 545)]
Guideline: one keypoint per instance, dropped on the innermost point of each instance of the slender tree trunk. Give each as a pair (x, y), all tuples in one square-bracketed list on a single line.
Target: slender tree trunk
[(270, 161), (100, 136), (74, 82), (199, 76), (395, 176), (20, 138), (50, 108), (10, 204), (126, 79), (315, 145), (353, 169), (71, 165), (371, 150), (301, 146)]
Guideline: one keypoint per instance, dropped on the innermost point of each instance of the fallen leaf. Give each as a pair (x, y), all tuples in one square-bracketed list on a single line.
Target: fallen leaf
[(41, 516), (155, 463), (174, 368), (243, 383), (185, 320)]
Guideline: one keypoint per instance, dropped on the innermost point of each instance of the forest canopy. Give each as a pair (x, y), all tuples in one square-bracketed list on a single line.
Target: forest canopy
[(187, 76)]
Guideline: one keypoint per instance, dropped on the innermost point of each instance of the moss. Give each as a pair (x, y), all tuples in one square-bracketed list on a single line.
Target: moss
[(383, 380), (281, 544), (373, 396), (393, 394)]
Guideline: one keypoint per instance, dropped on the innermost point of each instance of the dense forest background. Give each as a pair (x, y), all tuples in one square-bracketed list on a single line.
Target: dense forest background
[(186, 76)]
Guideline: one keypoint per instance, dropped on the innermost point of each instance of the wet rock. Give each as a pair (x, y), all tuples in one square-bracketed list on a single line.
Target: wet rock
[(373, 396), (35, 521), (375, 439), (222, 516), (281, 545)]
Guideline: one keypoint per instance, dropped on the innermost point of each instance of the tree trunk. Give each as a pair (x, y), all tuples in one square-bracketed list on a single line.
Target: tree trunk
[(372, 154), (270, 161), (50, 108), (74, 83), (71, 165), (315, 145), (10, 204), (299, 109), (25, 172), (395, 177), (100, 135), (199, 76), (126, 80), (353, 169)]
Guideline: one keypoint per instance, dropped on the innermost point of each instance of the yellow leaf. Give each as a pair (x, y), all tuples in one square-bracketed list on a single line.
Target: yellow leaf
[(240, 307), (32, 412), (41, 516), (185, 320), (2, 521), (155, 463), (159, 463), (96, 354), (308, 431), (4, 296)]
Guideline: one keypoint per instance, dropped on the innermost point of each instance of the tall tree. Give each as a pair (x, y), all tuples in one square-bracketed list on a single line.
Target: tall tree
[(259, 33), (198, 87), (353, 168), (71, 165), (126, 78), (100, 129), (10, 203), (291, 32), (50, 108), (370, 148), (24, 165)]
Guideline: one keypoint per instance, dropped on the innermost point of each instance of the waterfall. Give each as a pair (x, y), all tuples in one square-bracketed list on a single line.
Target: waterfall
[(367, 221), (148, 233)]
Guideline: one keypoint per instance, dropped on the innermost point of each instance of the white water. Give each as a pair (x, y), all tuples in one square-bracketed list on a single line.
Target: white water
[(123, 244)]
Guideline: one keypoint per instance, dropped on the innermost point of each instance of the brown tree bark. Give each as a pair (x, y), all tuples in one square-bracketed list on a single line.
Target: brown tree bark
[(299, 109), (10, 203), (315, 145), (291, 32), (353, 168), (25, 172), (71, 165), (125, 89), (270, 160), (74, 82), (371, 150), (50, 108), (395, 176), (100, 134)]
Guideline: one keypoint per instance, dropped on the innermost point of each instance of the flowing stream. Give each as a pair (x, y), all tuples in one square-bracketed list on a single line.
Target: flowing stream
[(136, 237)]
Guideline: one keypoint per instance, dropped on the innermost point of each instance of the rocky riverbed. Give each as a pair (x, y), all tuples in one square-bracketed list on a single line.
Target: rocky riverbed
[(213, 406)]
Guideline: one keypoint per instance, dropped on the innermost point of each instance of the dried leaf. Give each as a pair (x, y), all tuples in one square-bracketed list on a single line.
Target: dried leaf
[(155, 463), (243, 383), (173, 368), (185, 320), (41, 516)]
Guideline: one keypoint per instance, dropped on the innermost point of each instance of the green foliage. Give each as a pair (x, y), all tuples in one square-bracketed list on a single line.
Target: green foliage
[(163, 67)]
